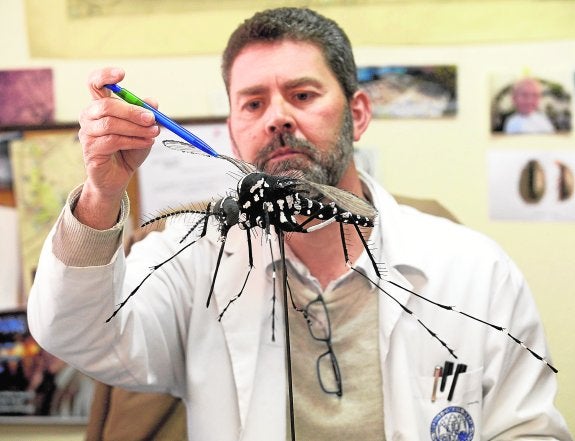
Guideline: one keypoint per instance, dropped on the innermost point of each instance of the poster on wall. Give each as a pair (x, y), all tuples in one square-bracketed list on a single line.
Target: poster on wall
[(26, 97), (35, 386), (410, 91), (528, 185), (530, 103)]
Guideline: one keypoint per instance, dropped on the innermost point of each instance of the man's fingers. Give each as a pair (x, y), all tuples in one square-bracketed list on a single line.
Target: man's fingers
[(99, 78), (104, 146), (112, 109)]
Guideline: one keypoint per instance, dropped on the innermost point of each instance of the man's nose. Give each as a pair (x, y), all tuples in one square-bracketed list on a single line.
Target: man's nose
[(280, 118)]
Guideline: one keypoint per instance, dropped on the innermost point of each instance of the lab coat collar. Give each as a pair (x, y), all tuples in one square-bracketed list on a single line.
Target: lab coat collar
[(392, 233)]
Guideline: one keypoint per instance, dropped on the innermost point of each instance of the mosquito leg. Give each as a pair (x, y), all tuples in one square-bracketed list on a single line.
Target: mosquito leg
[(368, 251), (407, 310), (477, 319), (152, 270), (251, 265), (281, 240), (440, 305), (274, 276), (224, 236), (344, 245)]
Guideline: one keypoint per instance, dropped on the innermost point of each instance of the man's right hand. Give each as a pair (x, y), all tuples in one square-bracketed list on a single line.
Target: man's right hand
[(116, 138)]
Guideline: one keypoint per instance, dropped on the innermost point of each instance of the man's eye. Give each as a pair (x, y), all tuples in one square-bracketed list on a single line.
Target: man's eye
[(253, 105), (303, 96)]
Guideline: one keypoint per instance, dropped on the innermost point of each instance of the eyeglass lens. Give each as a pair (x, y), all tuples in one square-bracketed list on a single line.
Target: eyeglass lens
[(327, 366)]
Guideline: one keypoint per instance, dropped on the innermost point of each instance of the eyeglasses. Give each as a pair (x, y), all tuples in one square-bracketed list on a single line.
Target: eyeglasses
[(319, 326)]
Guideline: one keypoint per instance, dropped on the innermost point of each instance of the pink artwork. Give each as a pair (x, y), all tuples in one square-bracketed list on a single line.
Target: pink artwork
[(26, 97)]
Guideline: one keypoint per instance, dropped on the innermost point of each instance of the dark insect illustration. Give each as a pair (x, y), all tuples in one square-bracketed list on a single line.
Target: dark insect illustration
[(265, 202)]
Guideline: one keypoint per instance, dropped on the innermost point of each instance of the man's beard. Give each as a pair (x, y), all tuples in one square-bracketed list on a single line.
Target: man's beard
[(323, 167)]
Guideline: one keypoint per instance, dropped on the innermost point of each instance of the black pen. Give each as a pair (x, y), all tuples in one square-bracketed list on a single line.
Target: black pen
[(461, 368), (447, 371)]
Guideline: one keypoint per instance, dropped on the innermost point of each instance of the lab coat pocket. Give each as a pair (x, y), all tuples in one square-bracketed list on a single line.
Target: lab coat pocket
[(458, 416)]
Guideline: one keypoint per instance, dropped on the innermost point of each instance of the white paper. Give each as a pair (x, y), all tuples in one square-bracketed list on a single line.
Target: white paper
[(169, 179), (505, 200)]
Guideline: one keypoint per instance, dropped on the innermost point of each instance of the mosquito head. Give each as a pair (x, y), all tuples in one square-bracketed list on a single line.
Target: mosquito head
[(229, 210)]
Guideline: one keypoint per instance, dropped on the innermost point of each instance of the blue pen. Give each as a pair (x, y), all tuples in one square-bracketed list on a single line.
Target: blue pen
[(162, 119)]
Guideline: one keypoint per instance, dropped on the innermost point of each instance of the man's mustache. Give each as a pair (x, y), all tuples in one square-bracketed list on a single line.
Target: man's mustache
[(282, 141)]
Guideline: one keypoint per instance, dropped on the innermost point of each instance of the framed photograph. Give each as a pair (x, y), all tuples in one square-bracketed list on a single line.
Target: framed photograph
[(530, 105), (35, 386), (411, 91)]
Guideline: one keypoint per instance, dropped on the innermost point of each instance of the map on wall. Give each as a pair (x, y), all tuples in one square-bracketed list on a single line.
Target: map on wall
[(45, 169)]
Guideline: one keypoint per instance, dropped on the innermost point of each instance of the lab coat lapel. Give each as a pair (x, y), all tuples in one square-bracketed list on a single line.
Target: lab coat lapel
[(242, 321), (389, 311)]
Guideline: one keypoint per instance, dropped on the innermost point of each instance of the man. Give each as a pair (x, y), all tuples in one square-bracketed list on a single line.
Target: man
[(362, 369), (527, 117)]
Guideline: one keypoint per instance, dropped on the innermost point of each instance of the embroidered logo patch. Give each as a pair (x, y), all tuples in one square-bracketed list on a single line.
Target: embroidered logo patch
[(452, 424)]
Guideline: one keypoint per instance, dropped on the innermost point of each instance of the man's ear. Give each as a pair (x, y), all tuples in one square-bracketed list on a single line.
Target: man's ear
[(360, 107)]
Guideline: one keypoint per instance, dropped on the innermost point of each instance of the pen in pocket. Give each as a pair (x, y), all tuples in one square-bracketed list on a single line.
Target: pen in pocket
[(461, 368), (436, 374)]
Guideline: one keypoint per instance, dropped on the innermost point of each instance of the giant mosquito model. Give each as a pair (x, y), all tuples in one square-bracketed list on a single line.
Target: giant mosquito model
[(264, 201), (267, 201)]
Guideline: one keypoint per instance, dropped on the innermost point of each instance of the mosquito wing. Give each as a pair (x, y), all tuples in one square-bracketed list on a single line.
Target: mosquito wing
[(344, 199), (180, 146)]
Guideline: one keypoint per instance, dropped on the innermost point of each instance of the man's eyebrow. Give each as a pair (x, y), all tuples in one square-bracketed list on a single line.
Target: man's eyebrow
[(303, 81), (291, 84), (252, 90)]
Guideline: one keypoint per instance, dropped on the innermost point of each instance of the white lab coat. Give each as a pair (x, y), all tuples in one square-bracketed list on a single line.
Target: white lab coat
[(232, 375)]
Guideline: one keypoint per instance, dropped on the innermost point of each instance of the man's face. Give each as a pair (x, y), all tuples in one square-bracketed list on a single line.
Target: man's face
[(526, 96), (288, 111)]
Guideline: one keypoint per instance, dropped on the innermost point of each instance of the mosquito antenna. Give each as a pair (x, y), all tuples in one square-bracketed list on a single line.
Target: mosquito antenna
[(165, 214), (195, 225)]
